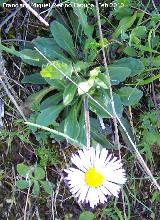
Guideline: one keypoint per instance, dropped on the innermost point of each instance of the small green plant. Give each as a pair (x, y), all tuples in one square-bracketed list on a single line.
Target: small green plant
[(86, 215), (61, 103), (150, 136), (47, 156), (34, 177)]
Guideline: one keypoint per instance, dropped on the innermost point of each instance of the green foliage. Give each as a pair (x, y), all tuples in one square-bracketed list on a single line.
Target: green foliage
[(63, 38), (47, 156), (49, 115), (86, 216), (150, 136), (73, 58), (130, 96), (34, 176)]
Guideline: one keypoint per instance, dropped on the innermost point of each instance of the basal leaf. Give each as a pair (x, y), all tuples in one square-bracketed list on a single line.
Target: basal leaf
[(32, 57), (51, 101), (63, 38), (28, 56), (71, 125), (49, 115), (35, 78), (105, 102), (49, 48), (82, 131), (69, 93), (36, 98)]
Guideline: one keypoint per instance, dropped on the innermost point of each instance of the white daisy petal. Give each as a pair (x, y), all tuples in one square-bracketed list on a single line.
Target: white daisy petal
[(105, 191), (102, 197), (98, 175), (83, 194), (92, 197), (108, 159), (103, 155), (112, 187)]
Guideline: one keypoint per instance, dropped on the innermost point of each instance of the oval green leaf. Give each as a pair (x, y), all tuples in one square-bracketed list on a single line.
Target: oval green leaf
[(63, 38), (49, 115), (130, 96), (71, 125), (69, 93)]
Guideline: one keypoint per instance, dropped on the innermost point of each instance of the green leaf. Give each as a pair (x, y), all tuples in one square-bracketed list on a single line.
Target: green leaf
[(124, 24), (130, 96), (63, 38), (94, 107), (82, 132), (71, 125), (49, 115), (36, 188), (69, 93), (129, 129), (47, 186), (80, 65), (122, 12), (151, 61), (99, 135), (52, 72), (148, 80), (36, 98), (32, 57), (39, 173), (51, 101), (102, 80), (23, 169), (145, 48), (105, 102), (82, 18), (28, 56), (86, 215), (49, 48), (35, 78), (135, 65), (58, 133), (10, 50), (118, 74), (130, 51), (22, 184), (139, 31), (57, 84)]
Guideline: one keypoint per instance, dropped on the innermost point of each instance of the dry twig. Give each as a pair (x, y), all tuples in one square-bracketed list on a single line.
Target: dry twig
[(35, 13)]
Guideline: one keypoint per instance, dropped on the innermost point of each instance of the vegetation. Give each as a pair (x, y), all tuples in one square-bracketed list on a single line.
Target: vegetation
[(67, 85)]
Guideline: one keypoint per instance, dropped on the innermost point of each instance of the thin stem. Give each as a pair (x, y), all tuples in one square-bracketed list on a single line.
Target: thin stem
[(87, 122)]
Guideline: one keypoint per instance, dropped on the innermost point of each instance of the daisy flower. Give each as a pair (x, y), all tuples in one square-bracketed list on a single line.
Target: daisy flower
[(97, 175)]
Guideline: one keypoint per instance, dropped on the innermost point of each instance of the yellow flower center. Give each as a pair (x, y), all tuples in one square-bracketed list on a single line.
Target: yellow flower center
[(94, 178)]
